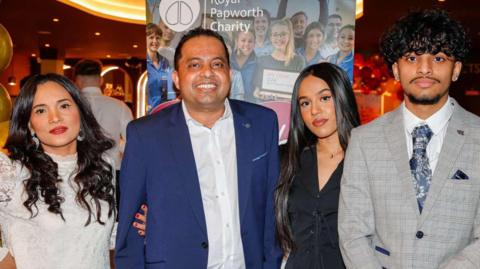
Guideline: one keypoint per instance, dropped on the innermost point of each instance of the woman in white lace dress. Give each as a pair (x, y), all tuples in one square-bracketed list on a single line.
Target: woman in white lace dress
[(56, 188)]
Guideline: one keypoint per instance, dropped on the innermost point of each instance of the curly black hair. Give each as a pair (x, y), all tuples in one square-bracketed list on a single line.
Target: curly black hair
[(425, 31), (94, 175)]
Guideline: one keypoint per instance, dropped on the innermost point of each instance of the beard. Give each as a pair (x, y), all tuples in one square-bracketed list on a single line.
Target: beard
[(425, 100)]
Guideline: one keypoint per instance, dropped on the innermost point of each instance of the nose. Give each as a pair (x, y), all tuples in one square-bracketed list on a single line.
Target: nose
[(206, 71), (316, 107), (54, 116), (424, 66)]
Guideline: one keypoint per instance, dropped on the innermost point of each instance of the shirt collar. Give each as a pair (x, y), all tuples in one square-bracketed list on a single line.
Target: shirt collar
[(436, 122), (92, 91), (226, 114)]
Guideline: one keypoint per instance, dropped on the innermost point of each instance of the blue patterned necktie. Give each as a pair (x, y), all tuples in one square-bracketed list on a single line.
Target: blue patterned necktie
[(419, 164)]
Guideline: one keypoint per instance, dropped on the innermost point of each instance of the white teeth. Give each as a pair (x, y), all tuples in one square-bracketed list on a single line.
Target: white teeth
[(206, 86)]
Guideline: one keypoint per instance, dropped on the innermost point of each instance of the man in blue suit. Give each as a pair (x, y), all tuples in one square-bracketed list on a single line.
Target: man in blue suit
[(207, 168)]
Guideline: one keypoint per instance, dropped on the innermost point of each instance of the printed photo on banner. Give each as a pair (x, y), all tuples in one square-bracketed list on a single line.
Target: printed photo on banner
[(269, 42)]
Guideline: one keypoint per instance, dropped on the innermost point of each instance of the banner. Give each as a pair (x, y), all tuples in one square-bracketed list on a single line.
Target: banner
[(269, 42)]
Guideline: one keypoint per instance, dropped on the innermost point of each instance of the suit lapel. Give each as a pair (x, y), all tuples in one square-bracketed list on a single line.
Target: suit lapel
[(243, 141), (452, 145), (183, 156), (395, 135)]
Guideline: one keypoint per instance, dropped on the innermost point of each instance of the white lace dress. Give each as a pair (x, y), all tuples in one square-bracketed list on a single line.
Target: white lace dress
[(46, 241)]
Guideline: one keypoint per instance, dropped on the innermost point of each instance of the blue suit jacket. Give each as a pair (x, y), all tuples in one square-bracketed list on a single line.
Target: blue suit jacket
[(159, 169)]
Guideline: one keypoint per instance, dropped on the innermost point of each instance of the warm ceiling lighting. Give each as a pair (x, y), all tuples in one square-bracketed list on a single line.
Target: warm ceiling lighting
[(33, 55), (12, 81), (55, 20), (441, 0), (47, 45), (135, 46), (108, 69), (131, 11), (97, 33), (359, 9), (109, 56), (66, 66)]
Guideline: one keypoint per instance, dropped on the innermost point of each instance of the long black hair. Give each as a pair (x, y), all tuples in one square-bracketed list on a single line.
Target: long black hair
[(300, 137), (94, 176)]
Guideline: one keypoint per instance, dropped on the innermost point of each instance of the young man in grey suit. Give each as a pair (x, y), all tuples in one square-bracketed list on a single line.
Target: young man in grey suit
[(410, 193)]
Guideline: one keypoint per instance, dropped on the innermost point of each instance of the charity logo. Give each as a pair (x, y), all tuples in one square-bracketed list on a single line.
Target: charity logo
[(179, 15)]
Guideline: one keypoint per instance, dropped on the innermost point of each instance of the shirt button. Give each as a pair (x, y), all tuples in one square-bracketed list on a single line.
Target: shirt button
[(419, 234), (228, 225)]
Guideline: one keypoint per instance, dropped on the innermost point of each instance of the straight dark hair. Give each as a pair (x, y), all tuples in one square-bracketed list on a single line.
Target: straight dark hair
[(94, 176), (300, 137)]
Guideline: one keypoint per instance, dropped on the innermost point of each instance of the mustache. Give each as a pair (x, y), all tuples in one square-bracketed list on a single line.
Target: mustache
[(424, 77)]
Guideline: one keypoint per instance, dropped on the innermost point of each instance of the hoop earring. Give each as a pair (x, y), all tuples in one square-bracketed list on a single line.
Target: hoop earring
[(35, 140), (81, 135)]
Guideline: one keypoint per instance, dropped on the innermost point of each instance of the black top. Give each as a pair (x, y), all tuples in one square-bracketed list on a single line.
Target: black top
[(313, 217)]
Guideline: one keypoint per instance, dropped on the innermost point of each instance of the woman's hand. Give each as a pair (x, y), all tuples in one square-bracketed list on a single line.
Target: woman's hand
[(140, 222), (8, 262)]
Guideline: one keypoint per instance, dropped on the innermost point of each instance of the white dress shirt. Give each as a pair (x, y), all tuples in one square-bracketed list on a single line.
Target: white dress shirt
[(438, 123), (216, 162), (113, 116)]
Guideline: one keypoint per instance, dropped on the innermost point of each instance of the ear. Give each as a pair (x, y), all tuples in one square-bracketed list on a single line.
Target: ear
[(176, 80), (457, 69), (395, 71)]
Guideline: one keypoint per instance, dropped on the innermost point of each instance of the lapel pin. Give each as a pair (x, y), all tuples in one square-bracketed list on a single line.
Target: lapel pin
[(246, 125), (460, 132)]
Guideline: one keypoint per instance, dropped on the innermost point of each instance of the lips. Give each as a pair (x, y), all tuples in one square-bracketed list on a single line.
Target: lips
[(58, 130), (424, 82), (206, 86), (319, 122)]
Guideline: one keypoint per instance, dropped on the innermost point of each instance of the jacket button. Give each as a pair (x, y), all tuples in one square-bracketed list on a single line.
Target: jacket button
[(204, 245), (419, 234)]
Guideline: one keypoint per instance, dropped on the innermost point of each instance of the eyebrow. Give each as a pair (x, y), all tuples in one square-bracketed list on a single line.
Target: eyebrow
[(317, 93), (59, 101)]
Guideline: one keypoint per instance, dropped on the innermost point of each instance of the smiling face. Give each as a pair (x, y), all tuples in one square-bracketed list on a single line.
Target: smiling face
[(167, 33), (314, 39), (333, 26), (245, 43), (55, 119), (260, 25), (346, 40), (426, 78), (153, 42), (280, 37), (203, 74), (317, 107), (299, 23)]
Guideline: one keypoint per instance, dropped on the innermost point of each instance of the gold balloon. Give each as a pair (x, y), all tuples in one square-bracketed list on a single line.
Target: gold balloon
[(6, 48), (5, 104), (3, 133)]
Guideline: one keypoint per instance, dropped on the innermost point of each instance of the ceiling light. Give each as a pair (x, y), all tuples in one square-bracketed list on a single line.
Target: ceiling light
[(33, 55), (47, 45), (66, 66), (97, 33), (55, 20), (109, 56), (12, 81), (135, 46), (132, 11), (359, 9)]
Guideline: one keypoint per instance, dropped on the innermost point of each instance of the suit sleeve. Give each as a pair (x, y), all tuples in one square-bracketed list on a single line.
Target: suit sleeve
[(272, 252), (356, 222), (469, 257), (129, 252)]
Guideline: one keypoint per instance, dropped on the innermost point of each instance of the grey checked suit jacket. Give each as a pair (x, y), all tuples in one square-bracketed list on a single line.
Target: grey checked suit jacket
[(379, 222)]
